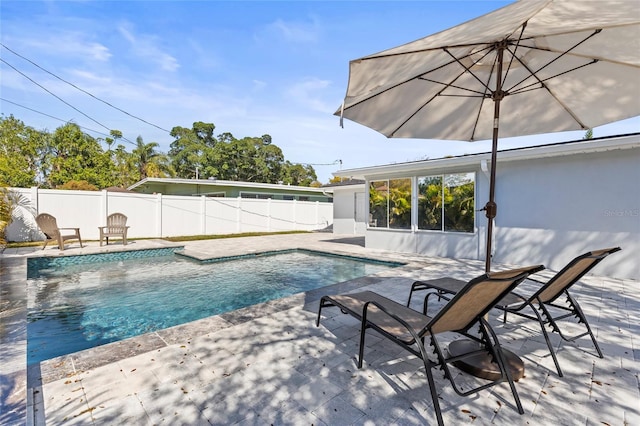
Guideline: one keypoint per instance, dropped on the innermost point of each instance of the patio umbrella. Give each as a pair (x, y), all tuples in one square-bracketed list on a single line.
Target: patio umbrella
[(528, 68)]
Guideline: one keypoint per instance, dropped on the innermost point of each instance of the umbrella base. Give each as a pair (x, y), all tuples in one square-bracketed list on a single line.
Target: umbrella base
[(480, 365)]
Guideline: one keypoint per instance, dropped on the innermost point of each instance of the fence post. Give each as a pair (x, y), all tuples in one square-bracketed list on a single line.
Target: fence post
[(317, 214), (159, 215), (239, 215), (295, 214), (34, 199), (269, 215), (203, 215), (104, 208)]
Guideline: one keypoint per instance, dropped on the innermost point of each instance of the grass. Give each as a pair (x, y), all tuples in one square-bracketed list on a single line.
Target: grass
[(175, 239)]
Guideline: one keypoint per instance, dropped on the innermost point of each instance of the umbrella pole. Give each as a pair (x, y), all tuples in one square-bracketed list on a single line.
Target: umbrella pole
[(483, 365), (491, 207)]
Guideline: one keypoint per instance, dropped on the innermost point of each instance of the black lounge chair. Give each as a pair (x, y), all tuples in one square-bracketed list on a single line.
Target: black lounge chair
[(411, 329), (544, 298)]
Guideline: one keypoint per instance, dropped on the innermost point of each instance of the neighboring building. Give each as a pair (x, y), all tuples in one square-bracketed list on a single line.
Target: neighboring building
[(555, 202), (349, 206), (231, 189)]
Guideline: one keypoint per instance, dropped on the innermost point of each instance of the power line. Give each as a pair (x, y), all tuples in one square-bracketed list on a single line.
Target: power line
[(53, 94), (84, 91), (324, 164), (60, 119)]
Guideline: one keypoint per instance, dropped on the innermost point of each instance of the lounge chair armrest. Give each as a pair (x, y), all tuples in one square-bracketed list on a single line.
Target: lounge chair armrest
[(75, 229)]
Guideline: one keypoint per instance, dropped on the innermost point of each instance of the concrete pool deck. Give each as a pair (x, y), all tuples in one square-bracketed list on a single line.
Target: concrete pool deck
[(270, 364)]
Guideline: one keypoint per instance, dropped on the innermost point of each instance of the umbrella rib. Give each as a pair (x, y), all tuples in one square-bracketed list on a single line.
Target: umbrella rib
[(534, 74), (513, 54), (468, 69), (531, 86), (446, 85), (481, 94), (406, 81)]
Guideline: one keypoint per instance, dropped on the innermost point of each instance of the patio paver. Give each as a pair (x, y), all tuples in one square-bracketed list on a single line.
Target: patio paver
[(270, 364)]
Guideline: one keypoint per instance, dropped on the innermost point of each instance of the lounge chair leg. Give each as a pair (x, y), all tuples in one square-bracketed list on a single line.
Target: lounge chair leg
[(581, 317), (546, 338), (434, 394), (363, 331), (319, 312), (361, 349), (502, 363)]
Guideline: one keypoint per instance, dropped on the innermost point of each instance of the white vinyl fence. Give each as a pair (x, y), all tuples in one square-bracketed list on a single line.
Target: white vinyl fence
[(160, 215)]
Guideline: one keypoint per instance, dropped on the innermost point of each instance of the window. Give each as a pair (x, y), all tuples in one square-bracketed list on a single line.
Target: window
[(390, 204), (446, 202)]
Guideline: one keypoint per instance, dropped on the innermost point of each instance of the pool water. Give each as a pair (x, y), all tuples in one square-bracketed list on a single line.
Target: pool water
[(81, 306)]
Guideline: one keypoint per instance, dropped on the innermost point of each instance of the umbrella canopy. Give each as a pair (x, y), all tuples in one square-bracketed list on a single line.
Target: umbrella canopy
[(531, 67)]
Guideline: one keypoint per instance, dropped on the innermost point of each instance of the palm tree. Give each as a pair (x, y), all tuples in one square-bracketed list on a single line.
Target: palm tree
[(148, 161)]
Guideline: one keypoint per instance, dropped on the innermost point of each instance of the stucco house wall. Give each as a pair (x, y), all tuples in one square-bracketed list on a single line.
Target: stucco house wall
[(554, 203)]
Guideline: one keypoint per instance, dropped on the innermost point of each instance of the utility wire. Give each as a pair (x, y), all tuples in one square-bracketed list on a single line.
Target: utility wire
[(324, 164), (84, 91), (53, 94), (59, 119)]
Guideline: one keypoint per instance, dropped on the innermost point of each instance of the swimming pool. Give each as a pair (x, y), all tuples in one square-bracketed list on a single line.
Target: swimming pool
[(77, 306)]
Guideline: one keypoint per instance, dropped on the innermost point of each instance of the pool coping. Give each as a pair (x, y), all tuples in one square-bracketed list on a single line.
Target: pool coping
[(16, 399), (23, 381)]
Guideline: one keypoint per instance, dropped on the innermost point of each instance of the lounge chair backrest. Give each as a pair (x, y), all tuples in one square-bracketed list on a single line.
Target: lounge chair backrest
[(48, 225), (571, 273), (477, 298), (116, 222)]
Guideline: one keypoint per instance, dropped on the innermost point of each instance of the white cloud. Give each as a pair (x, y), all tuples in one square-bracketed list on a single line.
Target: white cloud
[(309, 92), (297, 32), (146, 46), (258, 85), (69, 44)]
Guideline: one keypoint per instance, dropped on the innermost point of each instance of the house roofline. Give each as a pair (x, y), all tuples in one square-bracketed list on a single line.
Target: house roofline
[(216, 182), (600, 144)]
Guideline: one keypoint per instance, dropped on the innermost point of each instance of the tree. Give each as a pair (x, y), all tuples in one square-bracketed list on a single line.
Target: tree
[(191, 149), (74, 155), (78, 185), (588, 134), (298, 174), (148, 161), (126, 172), (21, 152)]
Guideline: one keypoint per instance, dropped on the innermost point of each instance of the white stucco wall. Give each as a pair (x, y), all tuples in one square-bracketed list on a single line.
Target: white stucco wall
[(551, 208), (344, 210)]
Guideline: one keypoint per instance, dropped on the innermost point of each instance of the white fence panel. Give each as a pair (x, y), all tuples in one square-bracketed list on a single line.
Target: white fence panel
[(254, 215), (141, 210), (181, 216), (284, 215), (158, 215), (221, 216)]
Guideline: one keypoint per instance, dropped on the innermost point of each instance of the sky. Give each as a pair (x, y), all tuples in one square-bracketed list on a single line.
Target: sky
[(250, 67)]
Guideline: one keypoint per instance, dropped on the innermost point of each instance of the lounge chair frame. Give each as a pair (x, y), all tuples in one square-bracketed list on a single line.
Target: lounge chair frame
[(116, 227), (464, 312), (539, 302), (49, 227)]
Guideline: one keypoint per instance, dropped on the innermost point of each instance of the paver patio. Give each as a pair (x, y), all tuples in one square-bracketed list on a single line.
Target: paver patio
[(270, 364)]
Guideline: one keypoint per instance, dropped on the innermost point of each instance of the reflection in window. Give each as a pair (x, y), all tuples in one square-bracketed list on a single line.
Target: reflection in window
[(445, 203), (390, 204), (430, 203)]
